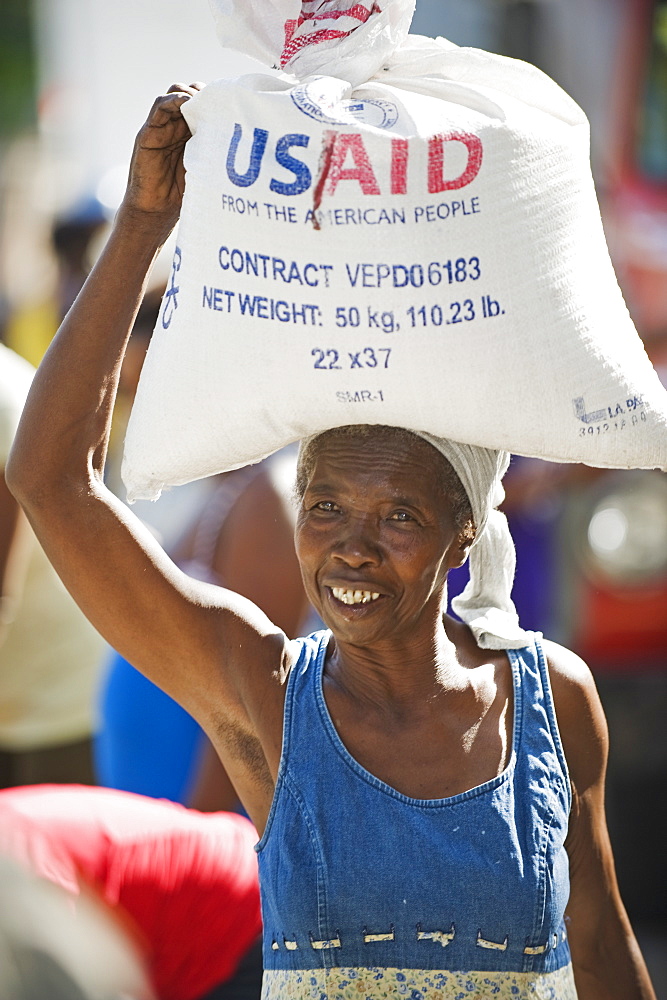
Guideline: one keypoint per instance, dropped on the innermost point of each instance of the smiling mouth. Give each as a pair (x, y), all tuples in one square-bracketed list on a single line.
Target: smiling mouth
[(354, 596)]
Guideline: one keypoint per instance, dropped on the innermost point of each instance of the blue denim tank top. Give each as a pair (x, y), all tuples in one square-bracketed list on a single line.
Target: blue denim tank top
[(367, 892)]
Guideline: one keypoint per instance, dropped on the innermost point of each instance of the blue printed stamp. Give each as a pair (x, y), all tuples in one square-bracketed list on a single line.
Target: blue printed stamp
[(315, 100), (170, 301)]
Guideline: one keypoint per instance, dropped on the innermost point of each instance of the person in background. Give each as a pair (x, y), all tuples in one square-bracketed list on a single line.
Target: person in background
[(74, 232), (181, 884), (50, 654)]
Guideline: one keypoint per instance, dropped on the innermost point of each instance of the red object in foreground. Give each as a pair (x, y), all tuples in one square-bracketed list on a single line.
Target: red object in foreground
[(184, 881)]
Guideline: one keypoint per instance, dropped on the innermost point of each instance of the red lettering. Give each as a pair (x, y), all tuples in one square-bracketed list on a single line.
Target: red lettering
[(362, 170), (399, 166), (436, 161)]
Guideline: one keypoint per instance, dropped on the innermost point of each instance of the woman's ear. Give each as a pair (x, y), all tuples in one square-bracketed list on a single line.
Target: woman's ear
[(460, 548)]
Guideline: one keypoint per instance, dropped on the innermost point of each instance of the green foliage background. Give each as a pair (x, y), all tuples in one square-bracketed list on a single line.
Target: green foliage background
[(17, 68)]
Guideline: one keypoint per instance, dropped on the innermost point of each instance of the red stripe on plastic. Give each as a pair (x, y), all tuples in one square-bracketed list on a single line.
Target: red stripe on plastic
[(359, 11), (325, 35), (294, 45)]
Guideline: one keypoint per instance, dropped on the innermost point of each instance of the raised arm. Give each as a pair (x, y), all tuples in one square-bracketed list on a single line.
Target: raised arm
[(606, 959), (212, 651)]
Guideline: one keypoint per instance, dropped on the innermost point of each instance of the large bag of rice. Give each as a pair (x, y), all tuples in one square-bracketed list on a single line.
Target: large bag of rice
[(384, 228)]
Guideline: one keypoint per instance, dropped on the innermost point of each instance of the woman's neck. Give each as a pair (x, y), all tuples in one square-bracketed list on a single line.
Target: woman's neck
[(400, 671)]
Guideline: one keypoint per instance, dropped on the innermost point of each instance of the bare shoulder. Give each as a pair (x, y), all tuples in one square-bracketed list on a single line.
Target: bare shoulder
[(572, 682), (581, 719), (565, 666), (291, 654), (264, 693)]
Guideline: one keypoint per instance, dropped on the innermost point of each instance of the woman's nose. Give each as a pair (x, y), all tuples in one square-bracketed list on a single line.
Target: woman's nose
[(357, 544)]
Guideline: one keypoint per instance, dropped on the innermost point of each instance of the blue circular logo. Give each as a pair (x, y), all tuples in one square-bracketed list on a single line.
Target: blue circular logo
[(313, 100)]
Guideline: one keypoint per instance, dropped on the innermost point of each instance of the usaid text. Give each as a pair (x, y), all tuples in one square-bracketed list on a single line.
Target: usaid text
[(346, 157)]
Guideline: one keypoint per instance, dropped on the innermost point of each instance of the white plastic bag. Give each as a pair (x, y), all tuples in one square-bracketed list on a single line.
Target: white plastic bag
[(422, 249), (343, 38)]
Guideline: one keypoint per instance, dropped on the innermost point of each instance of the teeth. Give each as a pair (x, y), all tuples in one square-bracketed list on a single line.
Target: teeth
[(353, 596)]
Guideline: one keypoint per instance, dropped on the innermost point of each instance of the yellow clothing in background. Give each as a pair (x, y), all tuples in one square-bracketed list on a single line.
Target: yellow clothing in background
[(31, 329), (50, 654)]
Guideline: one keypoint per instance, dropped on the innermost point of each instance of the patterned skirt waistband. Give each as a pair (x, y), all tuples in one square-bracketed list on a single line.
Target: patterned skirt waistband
[(417, 984)]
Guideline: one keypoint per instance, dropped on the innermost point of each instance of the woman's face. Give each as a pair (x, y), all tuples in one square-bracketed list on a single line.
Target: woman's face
[(375, 536)]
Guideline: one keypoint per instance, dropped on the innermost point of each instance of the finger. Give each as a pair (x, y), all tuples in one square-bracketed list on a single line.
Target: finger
[(185, 88), (169, 105)]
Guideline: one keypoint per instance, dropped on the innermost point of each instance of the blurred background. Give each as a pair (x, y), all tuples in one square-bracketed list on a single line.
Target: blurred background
[(77, 78)]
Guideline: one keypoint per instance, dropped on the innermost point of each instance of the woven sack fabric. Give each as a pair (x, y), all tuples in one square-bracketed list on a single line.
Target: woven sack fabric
[(384, 228)]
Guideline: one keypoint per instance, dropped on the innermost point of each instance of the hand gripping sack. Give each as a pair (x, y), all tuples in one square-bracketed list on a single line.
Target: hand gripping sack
[(387, 229)]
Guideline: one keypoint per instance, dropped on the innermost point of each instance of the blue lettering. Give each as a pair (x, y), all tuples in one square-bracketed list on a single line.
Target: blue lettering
[(353, 280), (247, 304), (307, 268), (384, 271), (257, 152), (213, 298), (251, 263), (400, 274), (416, 276), (279, 269), (294, 273), (296, 167)]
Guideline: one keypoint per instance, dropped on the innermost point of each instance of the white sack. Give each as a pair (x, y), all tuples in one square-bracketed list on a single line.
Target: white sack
[(423, 249)]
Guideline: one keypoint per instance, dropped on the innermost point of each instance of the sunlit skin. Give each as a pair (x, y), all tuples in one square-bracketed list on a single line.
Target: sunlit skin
[(384, 526), (381, 526), (412, 696)]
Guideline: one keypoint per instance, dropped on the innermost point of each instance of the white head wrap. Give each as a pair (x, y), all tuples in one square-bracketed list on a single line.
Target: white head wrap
[(485, 605)]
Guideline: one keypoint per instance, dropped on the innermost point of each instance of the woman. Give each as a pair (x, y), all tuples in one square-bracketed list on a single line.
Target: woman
[(427, 846)]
